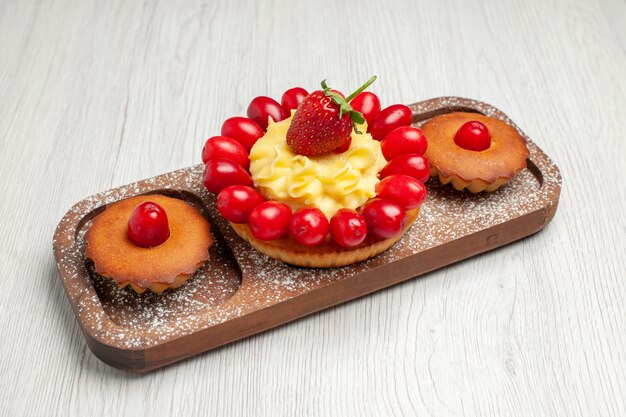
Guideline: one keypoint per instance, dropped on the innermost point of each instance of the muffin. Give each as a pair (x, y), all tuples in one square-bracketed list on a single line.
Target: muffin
[(473, 152), (149, 242)]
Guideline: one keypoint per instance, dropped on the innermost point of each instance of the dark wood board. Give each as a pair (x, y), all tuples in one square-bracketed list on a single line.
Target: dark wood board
[(240, 292)]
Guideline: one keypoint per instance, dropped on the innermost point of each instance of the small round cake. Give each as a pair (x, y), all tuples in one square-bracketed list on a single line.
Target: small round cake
[(473, 152), (319, 188), (329, 182), (148, 242)]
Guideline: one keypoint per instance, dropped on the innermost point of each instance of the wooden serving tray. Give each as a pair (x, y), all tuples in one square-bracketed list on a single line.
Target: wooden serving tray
[(240, 292)]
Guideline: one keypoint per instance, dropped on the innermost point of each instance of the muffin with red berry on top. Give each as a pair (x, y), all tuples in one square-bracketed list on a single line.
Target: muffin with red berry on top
[(149, 242), (474, 152), (319, 180)]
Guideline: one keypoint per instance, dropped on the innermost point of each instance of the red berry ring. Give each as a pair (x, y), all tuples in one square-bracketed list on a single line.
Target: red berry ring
[(307, 237)]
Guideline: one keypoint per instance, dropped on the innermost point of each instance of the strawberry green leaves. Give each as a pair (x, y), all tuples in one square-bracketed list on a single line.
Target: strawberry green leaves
[(344, 103), (324, 121)]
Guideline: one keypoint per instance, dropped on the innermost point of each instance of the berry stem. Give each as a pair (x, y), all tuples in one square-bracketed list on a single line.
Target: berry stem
[(361, 88)]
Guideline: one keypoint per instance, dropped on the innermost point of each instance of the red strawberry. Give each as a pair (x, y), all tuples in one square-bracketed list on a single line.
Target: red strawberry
[(323, 121), (316, 126)]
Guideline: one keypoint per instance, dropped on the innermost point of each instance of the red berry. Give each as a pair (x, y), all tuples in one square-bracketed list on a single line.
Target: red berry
[(269, 220), (308, 226), (405, 191), (368, 104), (385, 219), (262, 107), (316, 127), (223, 147), (403, 140), (292, 98), (390, 118), (243, 130), (344, 147), (148, 225), (236, 202), (220, 173), (473, 136), (348, 228), (413, 165)]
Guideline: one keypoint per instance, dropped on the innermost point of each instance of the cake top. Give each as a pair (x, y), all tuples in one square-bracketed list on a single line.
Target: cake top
[(329, 181)]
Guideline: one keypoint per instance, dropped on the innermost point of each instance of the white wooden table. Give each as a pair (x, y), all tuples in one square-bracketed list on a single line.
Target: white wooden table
[(96, 94)]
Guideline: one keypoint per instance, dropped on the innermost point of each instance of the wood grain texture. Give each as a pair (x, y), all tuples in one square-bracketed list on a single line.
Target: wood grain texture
[(100, 94)]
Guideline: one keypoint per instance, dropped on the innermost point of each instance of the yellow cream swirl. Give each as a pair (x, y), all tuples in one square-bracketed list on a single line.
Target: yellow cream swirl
[(328, 182)]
